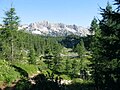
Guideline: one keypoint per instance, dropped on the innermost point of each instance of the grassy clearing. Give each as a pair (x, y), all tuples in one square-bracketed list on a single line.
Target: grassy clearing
[(29, 68)]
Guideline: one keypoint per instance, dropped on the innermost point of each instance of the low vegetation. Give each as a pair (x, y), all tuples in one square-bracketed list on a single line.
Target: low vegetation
[(8, 73)]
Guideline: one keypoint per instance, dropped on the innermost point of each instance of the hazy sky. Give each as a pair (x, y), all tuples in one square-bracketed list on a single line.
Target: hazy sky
[(79, 12)]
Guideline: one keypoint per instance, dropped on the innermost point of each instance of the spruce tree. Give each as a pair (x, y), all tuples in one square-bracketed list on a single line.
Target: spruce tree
[(75, 68), (106, 51), (11, 22), (32, 59), (68, 66), (95, 49), (80, 48), (94, 26)]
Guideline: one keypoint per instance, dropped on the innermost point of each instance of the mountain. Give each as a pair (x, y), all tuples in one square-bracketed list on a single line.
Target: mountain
[(54, 29)]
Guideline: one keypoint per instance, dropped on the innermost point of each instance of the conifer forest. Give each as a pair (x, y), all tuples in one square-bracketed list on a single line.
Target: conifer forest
[(37, 62)]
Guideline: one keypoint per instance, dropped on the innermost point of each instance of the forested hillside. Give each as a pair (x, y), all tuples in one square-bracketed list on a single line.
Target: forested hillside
[(34, 62)]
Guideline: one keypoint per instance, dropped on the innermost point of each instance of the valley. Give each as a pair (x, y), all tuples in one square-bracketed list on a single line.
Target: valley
[(56, 56)]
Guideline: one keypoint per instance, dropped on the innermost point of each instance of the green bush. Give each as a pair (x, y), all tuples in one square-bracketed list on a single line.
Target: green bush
[(81, 81), (66, 77), (41, 65), (7, 73), (45, 72)]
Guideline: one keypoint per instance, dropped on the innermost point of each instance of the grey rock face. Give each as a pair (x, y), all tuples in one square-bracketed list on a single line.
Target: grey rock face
[(55, 29)]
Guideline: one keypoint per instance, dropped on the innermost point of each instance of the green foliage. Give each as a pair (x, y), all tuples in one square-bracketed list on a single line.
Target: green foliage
[(75, 68), (16, 44), (68, 66), (41, 65), (81, 81), (106, 50), (29, 68), (8, 73), (80, 48), (11, 22), (32, 59), (58, 65), (78, 84), (23, 84), (65, 77), (94, 26), (70, 41)]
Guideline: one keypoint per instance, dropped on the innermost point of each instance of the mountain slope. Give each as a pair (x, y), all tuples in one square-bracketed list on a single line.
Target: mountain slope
[(55, 29)]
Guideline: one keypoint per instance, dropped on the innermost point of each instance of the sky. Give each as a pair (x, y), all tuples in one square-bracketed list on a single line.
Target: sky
[(79, 12)]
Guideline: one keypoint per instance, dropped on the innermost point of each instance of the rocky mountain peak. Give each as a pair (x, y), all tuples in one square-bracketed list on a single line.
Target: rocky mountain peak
[(55, 29)]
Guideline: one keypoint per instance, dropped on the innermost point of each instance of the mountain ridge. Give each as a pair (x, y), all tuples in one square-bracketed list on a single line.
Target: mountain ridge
[(47, 28)]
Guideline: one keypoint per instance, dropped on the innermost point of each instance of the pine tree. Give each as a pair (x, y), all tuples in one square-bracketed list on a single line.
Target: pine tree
[(11, 22), (94, 26), (75, 68), (68, 67), (32, 59), (95, 48), (117, 2), (57, 66), (105, 51), (110, 40), (80, 48)]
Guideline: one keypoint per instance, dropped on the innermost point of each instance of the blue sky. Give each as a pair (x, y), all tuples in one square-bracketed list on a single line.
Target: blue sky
[(79, 12)]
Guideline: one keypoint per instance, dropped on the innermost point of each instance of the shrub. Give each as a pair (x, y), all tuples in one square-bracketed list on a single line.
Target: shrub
[(66, 77), (7, 73)]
